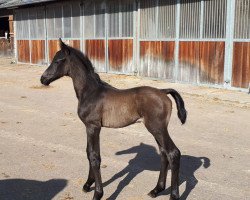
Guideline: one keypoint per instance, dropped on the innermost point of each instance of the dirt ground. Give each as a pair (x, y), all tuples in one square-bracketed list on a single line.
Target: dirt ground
[(42, 142)]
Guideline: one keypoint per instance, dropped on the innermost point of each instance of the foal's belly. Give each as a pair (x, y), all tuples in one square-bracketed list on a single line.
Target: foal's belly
[(119, 114)]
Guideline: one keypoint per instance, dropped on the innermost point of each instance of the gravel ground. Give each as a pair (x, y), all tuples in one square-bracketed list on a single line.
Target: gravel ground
[(42, 142)]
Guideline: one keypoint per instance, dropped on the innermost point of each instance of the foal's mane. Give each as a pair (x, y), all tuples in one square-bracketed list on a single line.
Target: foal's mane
[(88, 66)]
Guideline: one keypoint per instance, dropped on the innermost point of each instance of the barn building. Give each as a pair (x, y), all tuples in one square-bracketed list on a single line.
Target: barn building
[(205, 42)]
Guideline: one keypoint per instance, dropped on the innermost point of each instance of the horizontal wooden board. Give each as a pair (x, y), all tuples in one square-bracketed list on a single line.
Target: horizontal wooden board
[(120, 54), (241, 65), (95, 50), (201, 62), (23, 51), (157, 59), (37, 51)]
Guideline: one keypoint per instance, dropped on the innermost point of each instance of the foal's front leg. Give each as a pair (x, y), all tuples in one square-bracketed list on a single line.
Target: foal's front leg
[(91, 178), (93, 153)]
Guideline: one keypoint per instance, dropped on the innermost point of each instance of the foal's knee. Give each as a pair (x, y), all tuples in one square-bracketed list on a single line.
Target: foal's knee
[(174, 157)]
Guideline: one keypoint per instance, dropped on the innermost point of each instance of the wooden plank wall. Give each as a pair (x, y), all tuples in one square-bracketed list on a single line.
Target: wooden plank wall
[(120, 54), (38, 51), (212, 55), (54, 47), (157, 59), (241, 65), (95, 50), (23, 51), (201, 62), (74, 43), (188, 68)]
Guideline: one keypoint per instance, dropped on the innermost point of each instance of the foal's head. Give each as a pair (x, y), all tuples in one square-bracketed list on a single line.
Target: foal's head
[(60, 65), (71, 62)]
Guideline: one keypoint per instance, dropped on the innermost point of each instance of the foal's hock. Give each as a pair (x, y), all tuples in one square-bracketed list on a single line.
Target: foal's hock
[(101, 105)]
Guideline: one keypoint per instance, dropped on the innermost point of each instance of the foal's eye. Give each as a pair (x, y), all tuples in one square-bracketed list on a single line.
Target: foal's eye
[(59, 60)]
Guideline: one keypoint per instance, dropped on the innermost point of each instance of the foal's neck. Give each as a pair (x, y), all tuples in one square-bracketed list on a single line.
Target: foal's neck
[(83, 82)]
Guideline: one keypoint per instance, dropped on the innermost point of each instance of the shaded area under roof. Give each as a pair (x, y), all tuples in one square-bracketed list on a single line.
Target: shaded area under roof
[(14, 3)]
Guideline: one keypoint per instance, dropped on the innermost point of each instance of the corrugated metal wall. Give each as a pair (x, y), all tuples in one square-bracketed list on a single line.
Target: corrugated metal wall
[(63, 21), (157, 31), (194, 41), (185, 38), (242, 19), (190, 17), (203, 22), (215, 14), (30, 35), (120, 36), (23, 35), (94, 33)]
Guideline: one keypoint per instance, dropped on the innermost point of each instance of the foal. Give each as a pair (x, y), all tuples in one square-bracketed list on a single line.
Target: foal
[(101, 105)]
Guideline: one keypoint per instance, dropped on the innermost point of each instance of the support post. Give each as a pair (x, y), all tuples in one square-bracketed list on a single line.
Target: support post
[(229, 44), (176, 52)]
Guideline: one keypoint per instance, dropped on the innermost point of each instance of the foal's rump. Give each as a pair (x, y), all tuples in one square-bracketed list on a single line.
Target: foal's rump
[(156, 103), (155, 108)]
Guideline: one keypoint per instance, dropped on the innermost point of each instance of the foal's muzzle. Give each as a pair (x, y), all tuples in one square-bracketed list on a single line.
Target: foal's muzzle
[(44, 80)]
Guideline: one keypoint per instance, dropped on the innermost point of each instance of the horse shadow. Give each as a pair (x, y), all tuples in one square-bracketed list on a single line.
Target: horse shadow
[(21, 189), (147, 158)]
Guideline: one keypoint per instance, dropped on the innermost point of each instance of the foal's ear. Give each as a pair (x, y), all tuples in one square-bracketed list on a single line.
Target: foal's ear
[(64, 47)]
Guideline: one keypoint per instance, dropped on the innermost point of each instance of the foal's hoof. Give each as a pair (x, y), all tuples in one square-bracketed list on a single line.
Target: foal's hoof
[(86, 188), (174, 198), (97, 196), (153, 193), (156, 191)]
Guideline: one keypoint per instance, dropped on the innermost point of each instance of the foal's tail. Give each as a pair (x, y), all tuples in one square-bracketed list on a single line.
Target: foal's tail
[(182, 113), (206, 162)]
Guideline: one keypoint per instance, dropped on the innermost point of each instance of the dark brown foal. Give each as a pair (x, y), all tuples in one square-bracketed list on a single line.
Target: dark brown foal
[(101, 105)]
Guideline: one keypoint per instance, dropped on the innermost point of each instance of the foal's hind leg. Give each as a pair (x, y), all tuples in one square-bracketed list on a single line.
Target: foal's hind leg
[(174, 156), (159, 131), (161, 184)]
